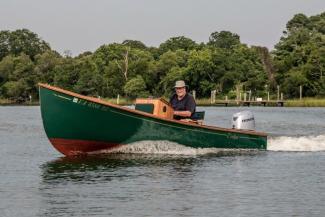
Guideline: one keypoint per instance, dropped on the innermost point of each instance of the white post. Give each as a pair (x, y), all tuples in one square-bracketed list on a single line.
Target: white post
[(118, 99), (194, 94), (240, 96), (212, 99), (300, 92), (245, 96), (278, 92), (226, 98), (281, 96), (237, 92), (250, 95), (30, 98), (213, 96), (268, 96)]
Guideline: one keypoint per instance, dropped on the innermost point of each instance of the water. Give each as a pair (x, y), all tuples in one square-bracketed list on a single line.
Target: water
[(167, 179)]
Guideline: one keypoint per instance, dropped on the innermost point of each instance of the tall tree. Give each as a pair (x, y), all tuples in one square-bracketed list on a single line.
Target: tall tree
[(299, 55), (136, 87), (66, 74), (176, 43), (21, 41), (224, 39), (201, 72), (20, 77), (89, 80), (164, 65), (4, 44), (267, 62), (45, 64), (134, 44), (297, 22), (7, 66)]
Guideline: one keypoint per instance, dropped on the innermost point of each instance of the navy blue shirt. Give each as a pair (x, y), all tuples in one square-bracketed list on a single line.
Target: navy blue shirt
[(187, 103)]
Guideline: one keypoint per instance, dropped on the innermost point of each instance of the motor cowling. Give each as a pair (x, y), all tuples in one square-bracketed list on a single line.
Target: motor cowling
[(243, 120)]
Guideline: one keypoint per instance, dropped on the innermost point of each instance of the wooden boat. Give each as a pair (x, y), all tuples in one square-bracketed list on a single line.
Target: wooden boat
[(77, 124)]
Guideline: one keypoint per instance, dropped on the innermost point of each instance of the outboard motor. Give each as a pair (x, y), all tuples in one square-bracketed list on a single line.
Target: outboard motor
[(243, 120)]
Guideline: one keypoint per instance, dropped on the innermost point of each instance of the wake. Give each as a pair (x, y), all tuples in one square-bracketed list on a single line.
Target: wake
[(302, 143), (168, 148), (282, 143)]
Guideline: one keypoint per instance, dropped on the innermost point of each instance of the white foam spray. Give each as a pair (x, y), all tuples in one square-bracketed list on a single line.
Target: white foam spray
[(282, 143), (166, 147), (303, 143)]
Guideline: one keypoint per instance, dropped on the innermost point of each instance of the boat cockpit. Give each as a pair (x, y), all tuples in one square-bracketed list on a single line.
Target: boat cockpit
[(162, 108)]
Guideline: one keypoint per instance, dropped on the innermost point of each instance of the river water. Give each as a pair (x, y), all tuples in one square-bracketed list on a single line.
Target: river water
[(167, 179)]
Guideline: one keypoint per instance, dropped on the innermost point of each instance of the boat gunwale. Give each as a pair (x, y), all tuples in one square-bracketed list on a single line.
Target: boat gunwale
[(102, 102)]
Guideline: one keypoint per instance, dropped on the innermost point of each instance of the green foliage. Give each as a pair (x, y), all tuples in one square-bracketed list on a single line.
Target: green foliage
[(201, 70), (249, 68), (15, 89), (224, 39), (21, 41), (294, 79), (136, 87), (160, 68), (134, 44), (65, 74), (6, 67), (89, 80), (297, 22), (18, 73), (45, 64), (177, 43), (4, 44), (117, 63), (299, 56), (168, 81)]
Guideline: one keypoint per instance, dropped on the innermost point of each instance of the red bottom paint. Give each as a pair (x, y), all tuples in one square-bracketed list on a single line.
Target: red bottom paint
[(70, 147)]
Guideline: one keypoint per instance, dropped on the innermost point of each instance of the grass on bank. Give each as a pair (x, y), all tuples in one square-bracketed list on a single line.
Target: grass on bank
[(13, 102), (305, 102), (5, 101)]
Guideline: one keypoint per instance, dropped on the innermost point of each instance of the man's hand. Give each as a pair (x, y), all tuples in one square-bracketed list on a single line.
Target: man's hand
[(183, 113)]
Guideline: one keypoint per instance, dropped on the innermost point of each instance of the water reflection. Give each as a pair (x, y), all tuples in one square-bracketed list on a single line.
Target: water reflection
[(101, 184), (92, 168), (95, 167), (122, 184)]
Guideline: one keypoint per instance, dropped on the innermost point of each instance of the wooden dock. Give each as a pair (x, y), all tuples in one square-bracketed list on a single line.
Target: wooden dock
[(277, 103)]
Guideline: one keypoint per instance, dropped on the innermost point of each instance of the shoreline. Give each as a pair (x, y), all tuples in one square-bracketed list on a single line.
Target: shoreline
[(305, 102), (7, 102)]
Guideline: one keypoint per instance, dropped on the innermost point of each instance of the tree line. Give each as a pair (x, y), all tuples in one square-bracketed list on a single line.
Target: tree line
[(133, 69)]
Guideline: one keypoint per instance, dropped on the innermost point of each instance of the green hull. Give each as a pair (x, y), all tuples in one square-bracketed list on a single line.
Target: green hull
[(76, 124)]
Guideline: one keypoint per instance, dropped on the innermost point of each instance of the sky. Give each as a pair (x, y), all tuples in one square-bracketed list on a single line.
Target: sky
[(84, 25)]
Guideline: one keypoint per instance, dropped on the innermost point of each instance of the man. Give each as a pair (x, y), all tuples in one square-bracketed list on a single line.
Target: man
[(182, 102)]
